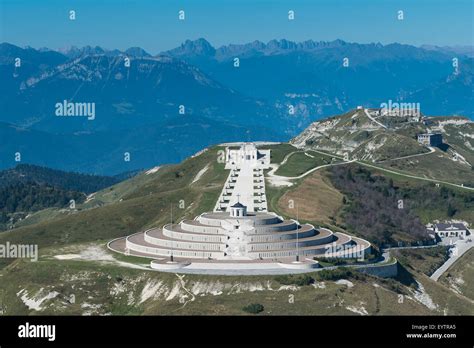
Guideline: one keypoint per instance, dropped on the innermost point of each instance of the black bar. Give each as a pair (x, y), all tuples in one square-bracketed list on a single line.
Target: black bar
[(209, 331)]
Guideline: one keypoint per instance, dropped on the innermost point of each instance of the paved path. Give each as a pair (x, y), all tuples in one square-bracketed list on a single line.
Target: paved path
[(285, 179), (461, 246), (398, 173), (278, 180), (410, 156), (416, 177), (243, 188), (412, 247), (319, 167), (248, 185), (274, 270)]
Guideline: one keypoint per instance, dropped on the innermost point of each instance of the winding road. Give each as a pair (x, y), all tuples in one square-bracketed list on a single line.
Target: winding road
[(399, 173), (374, 120), (279, 180), (432, 149), (460, 248)]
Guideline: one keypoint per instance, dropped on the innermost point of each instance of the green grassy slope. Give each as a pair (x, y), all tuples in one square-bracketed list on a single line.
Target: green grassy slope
[(301, 162), (147, 205), (354, 134), (438, 165), (460, 276), (279, 151), (106, 283)]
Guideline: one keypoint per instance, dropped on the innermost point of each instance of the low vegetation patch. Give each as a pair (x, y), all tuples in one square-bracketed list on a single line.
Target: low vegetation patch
[(424, 260), (460, 276), (338, 273), (279, 151), (339, 261), (301, 162), (253, 308), (431, 202), (294, 279)]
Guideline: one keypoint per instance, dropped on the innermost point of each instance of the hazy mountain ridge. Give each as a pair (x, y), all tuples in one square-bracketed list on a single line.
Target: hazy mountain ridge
[(201, 47), (151, 90), (74, 52), (454, 91), (458, 49), (375, 73), (137, 112)]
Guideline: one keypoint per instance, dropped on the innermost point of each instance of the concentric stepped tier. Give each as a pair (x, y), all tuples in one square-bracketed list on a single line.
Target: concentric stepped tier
[(248, 236), (240, 234)]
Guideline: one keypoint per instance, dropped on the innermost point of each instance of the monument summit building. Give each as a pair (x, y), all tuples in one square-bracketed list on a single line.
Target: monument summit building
[(240, 234)]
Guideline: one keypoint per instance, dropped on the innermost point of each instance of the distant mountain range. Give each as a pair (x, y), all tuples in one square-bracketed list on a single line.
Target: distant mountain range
[(137, 107), (149, 91), (310, 75)]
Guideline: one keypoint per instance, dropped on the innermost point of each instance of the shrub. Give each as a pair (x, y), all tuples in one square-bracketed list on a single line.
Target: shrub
[(335, 274), (179, 174), (333, 260), (253, 308), (291, 279)]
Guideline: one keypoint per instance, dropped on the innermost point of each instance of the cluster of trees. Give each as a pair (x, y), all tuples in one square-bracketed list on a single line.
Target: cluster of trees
[(66, 180), (28, 188), (376, 209), (3, 217), (431, 198), (27, 197)]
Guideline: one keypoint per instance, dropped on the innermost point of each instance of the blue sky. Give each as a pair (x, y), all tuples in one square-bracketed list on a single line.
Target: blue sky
[(154, 25)]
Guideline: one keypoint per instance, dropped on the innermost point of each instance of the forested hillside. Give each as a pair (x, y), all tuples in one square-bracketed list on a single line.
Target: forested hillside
[(57, 178), (30, 197), (372, 207)]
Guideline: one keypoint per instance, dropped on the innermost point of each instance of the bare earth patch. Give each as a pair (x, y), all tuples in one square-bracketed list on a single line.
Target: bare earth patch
[(316, 198), (94, 252)]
